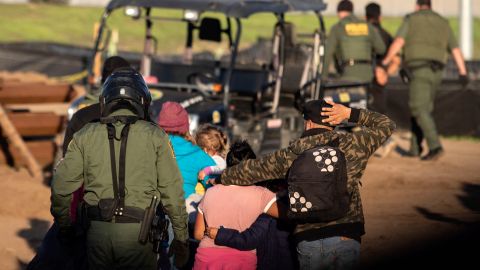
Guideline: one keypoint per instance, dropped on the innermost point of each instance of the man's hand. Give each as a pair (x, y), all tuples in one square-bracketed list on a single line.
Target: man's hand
[(381, 75), (181, 251), (211, 232), (336, 114)]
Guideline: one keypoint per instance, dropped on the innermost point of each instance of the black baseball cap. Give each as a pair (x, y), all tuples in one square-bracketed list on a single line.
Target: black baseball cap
[(313, 109)]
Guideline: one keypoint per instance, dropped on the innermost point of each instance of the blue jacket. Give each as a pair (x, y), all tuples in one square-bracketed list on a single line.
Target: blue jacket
[(190, 160), (269, 237)]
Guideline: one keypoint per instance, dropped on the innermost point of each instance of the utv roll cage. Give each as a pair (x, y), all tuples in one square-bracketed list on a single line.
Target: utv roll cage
[(242, 80)]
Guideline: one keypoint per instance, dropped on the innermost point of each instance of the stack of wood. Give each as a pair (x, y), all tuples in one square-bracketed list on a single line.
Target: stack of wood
[(33, 114)]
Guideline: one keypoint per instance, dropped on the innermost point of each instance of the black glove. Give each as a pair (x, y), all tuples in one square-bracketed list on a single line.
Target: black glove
[(181, 252), (66, 235), (463, 80)]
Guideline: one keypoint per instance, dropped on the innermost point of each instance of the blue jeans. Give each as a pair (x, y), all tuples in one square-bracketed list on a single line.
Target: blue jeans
[(329, 253)]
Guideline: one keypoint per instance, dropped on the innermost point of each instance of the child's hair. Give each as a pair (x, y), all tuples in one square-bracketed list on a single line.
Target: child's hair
[(240, 150), (212, 138)]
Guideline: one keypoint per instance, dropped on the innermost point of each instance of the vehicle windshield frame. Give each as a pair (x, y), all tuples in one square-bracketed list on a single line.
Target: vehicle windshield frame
[(233, 9)]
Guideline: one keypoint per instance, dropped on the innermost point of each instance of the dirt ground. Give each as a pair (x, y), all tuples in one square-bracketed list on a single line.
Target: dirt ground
[(408, 204)]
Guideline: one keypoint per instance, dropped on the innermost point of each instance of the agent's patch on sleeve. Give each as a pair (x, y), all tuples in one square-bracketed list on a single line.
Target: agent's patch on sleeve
[(356, 29)]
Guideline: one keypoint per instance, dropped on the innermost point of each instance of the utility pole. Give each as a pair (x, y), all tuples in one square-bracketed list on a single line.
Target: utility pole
[(466, 29)]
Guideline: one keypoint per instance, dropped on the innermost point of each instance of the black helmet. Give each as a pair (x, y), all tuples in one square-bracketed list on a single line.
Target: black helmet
[(125, 88)]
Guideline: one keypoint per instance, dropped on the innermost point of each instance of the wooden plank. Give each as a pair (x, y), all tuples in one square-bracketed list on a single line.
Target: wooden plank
[(23, 77), (56, 108), (15, 142), (43, 151), (35, 93), (37, 124)]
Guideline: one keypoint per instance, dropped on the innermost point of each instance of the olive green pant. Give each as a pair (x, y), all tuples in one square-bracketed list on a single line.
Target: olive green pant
[(115, 246), (422, 90)]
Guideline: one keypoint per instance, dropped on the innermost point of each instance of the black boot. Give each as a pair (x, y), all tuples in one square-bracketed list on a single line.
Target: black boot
[(433, 154)]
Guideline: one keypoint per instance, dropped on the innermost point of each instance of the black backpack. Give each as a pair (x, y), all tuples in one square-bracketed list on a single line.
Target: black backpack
[(317, 185)]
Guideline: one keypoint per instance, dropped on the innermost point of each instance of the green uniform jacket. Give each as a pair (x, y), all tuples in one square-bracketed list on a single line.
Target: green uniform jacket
[(428, 36), (357, 146), (353, 39), (150, 170)]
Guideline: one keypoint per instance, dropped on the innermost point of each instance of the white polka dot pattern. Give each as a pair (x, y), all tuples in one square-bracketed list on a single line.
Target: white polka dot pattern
[(298, 203), (325, 159)]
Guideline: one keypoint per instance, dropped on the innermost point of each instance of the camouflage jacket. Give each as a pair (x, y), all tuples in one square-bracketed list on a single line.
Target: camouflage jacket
[(358, 146)]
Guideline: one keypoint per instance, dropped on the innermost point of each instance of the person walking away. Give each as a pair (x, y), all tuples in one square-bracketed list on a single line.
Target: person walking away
[(115, 206), (173, 118), (50, 254), (426, 39), (214, 142), (335, 244), (377, 100), (233, 207), (351, 42), (191, 159)]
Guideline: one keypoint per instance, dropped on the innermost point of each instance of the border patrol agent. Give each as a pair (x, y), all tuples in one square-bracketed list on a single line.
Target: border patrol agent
[(352, 41), (426, 38), (115, 206)]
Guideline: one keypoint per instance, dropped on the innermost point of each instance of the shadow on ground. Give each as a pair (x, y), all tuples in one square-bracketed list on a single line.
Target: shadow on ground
[(34, 236), (470, 199), (456, 250)]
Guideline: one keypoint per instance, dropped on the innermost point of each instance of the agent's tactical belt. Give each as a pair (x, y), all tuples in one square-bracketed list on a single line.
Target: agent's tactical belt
[(128, 215), (353, 62)]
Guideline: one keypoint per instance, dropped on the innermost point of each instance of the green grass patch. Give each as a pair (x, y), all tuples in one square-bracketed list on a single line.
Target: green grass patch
[(74, 25)]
